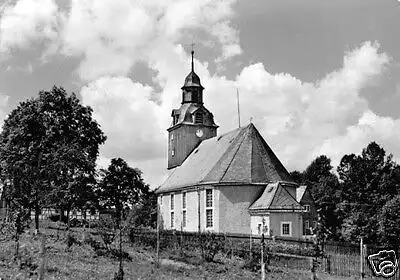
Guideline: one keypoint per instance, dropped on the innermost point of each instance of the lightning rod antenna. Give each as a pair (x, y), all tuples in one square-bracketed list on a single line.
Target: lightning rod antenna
[(238, 106)]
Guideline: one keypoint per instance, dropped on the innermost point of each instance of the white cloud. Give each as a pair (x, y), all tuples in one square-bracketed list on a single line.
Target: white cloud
[(299, 120), (27, 21), (127, 117), (296, 118), (113, 37), (4, 102), (370, 127), (229, 38)]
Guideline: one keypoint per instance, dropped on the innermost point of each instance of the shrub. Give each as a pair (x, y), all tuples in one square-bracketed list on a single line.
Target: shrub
[(74, 222), (106, 230), (7, 230), (119, 275), (96, 245), (210, 245), (56, 218), (71, 240)]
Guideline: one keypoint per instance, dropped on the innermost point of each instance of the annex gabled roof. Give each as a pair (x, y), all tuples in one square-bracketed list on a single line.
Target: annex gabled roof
[(237, 157), (276, 197), (300, 192)]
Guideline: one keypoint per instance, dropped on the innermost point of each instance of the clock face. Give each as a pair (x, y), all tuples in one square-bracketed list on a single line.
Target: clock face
[(199, 133)]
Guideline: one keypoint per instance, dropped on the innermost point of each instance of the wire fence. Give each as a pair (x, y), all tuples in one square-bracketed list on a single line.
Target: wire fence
[(339, 259)]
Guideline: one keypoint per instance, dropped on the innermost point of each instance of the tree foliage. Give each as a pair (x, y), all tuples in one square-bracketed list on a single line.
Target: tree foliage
[(324, 187), (120, 187), (369, 181), (363, 201), (48, 150), (145, 213), (389, 223)]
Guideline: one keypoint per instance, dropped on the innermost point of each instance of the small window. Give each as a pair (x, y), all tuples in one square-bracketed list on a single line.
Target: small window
[(307, 230), (172, 202), (173, 152), (184, 200), (307, 208), (176, 118), (209, 216), (172, 137), (161, 197), (172, 219), (198, 117), (259, 229), (286, 228), (184, 218)]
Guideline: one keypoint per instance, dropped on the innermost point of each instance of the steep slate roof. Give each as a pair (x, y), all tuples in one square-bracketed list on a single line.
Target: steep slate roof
[(237, 157), (275, 197)]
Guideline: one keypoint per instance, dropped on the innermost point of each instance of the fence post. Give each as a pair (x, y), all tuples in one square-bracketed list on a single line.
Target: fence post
[(262, 258), (328, 264), (42, 254), (361, 259), (251, 253), (158, 236)]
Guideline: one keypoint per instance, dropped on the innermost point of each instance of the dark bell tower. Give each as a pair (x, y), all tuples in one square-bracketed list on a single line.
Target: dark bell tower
[(191, 123)]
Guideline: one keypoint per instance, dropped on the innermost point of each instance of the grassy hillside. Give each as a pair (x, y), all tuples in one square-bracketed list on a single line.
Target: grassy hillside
[(81, 261)]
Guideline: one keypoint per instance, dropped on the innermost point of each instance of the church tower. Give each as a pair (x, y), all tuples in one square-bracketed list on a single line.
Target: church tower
[(191, 123)]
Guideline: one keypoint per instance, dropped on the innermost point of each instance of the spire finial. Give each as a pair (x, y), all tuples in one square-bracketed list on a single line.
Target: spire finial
[(192, 56)]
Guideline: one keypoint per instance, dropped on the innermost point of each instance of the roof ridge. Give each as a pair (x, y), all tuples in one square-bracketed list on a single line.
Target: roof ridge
[(283, 187), (251, 158), (233, 157), (275, 193), (275, 161)]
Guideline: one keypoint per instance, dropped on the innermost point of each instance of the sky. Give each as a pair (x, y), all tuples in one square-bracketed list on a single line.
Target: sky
[(315, 76)]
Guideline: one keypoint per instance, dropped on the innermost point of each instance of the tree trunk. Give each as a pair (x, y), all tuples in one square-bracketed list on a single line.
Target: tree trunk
[(121, 270), (42, 255), (37, 212), (17, 229), (68, 219)]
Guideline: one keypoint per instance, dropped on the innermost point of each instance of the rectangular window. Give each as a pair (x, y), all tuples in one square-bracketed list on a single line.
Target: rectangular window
[(307, 207), (209, 208), (176, 118), (209, 198), (198, 118), (183, 200), (209, 216), (307, 230), (184, 218), (172, 219), (173, 152), (161, 197), (259, 229), (172, 202), (286, 228)]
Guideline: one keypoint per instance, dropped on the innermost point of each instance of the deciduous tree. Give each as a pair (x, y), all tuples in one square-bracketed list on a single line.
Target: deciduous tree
[(48, 146), (369, 181)]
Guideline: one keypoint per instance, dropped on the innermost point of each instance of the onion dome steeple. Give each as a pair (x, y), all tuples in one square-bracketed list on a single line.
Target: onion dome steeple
[(192, 90)]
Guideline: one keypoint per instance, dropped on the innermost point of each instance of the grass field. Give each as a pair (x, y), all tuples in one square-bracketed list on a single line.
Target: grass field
[(82, 262)]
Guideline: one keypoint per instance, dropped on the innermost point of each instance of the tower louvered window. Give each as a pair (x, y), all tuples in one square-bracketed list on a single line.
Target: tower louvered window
[(198, 117)]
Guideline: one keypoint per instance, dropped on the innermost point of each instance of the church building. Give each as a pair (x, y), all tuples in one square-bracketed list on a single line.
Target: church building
[(232, 183)]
